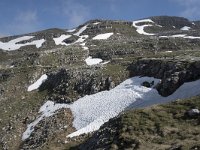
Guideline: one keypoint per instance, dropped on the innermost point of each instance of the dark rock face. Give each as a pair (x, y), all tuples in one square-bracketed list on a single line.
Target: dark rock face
[(171, 21), (193, 113), (93, 85), (148, 84), (70, 40), (171, 72), (67, 85)]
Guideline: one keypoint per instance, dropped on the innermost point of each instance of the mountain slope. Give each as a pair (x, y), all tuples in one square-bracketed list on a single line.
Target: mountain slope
[(85, 62)]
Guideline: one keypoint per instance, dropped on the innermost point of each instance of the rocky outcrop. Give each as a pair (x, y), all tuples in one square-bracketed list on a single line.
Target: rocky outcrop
[(71, 40), (173, 73), (65, 86), (4, 75), (169, 21)]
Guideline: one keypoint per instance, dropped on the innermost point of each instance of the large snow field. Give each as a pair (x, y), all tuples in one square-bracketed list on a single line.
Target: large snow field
[(13, 44), (91, 111)]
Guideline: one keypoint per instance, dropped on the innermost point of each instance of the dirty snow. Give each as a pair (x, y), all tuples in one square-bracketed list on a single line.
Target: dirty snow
[(59, 40), (140, 29), (102, 36), (91, 111), (12, 45), (81, 30), (93, 61), (37, 84), (185, 28)]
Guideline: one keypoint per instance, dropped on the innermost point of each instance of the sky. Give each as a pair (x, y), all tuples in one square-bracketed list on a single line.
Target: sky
[(24, 16)]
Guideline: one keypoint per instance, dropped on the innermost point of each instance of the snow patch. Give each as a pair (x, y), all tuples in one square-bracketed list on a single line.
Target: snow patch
[(59, 40), (181, 36), (81, 30), (13, 44), (185, 28), (168, 51), (192, 37), (71, 30), (93, 61), (96, 23), (159, 26), (92, 111), (102, 36), (37, 84), (106, 62), (140, 29), (83, 46), (37, 43)]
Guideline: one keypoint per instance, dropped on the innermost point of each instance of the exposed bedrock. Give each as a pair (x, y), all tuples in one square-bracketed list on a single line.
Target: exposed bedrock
[(173, 73)]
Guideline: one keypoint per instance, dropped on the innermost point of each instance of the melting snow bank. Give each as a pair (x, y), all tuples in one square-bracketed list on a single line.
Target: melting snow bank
[(59, 40), (93, 61), (13, 44), (37, 84), (102, 36), (92, 111), (82, 38), (140, 29)]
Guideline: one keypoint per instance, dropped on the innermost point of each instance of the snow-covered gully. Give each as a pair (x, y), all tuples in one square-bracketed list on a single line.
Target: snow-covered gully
[(140, 28), (91, 111)]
